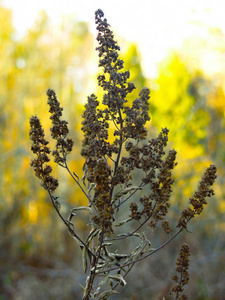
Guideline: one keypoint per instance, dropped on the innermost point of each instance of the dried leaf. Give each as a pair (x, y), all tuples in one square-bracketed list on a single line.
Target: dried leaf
[(84, 175), (92, 185), (70, 223), (76, 176), (125, 191), (107, 244), (71, 216), (123, 222), (121, 235), (81, 208), (84, 259), (120, 256), (96, 292), (137, 234), (95, 231), (106, 294), (118, 278), (57, 205), (100, 266)]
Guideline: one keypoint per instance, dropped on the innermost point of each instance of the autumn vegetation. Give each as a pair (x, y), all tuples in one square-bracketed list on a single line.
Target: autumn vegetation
[(113, 177), (108, 169)]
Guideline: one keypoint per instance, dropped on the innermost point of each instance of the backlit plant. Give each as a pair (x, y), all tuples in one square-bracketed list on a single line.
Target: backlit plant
[(112, 164)]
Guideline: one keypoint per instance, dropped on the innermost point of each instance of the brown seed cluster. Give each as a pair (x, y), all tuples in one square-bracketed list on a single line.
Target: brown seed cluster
[(40, 149), (59, 130), (95, 127), (129, 123), (94, 148), (137, 116), (96, 122), (110, 164), (199, 199), (113, 81), (182, 268), (157, 169), (204, 190)]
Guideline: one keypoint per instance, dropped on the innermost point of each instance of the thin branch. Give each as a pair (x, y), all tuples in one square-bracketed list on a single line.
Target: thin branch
[(68, 226), (133, 232), (78, 183), (143, 257), (93, 269), (120, 148), (131, 194), (129, 268), (111, 158), (112, 119)]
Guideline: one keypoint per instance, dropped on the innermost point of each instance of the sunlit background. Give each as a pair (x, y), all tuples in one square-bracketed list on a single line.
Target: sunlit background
[(156, 26), (177, 48)]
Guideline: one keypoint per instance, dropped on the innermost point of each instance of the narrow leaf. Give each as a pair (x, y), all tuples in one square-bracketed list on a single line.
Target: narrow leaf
[(123, 222), (70, 223), (92, 185), (125, 191), (84, 259), (119, 278), (71, 216), (107, 244), (57, 205), (81, 208), (95, 231), (84, 175), (106, 294), (76, 176), (121, 235)]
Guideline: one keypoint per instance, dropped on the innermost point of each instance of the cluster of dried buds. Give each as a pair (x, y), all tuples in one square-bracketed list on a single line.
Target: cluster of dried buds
[(117, 151)]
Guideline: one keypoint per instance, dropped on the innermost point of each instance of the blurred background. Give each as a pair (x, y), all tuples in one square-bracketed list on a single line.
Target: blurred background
[(177, 49)]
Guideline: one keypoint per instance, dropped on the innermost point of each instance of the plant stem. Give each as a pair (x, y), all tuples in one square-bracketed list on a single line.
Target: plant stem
[(143, 257), (93, 269), (68, 226)]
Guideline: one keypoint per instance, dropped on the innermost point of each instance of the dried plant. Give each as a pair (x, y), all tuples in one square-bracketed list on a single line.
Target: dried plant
[(110, 169), (182, 268)]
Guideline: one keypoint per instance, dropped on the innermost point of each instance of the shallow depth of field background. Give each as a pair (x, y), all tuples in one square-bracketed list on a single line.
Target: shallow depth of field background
[(186, 74)]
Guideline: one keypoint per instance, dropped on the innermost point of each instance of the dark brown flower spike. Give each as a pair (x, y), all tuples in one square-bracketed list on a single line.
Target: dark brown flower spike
[(59, 130), (41, 151), (198, 201), (127, 176), (182, 269)]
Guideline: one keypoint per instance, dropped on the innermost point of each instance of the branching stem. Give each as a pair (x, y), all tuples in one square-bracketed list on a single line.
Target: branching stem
[(72, 232), (143, 257)]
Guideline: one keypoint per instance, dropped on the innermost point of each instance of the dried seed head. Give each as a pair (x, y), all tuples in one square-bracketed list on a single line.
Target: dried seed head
[(199, 198), (182, 268), (41, 152), (59, 130)]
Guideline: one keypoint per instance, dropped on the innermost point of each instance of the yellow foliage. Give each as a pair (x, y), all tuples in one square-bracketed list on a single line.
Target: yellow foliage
[(190, 152), (59, 59), (29, 66), (216, 100), (32, 213)]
